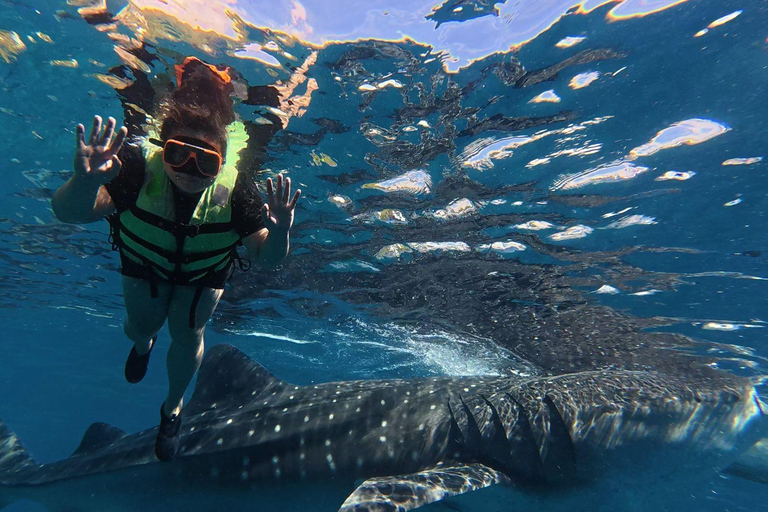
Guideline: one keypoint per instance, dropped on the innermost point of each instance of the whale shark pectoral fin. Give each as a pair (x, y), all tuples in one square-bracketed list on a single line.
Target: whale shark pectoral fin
[(407, 492), (752, 464), (229, 376)]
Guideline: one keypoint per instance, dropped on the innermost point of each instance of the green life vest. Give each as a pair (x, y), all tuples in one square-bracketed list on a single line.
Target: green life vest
[(149, 233)]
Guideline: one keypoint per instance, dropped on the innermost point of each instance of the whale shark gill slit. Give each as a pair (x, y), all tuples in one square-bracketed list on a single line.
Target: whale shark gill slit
[(497, 449), (528, 457), (473, 440), (560, 460), (455, 437)]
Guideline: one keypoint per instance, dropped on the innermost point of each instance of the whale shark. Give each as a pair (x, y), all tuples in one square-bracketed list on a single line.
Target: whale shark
[(252, 441)]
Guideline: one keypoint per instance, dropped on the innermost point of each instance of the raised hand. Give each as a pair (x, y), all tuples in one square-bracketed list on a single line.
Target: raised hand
[(277, 212), (97, 160)]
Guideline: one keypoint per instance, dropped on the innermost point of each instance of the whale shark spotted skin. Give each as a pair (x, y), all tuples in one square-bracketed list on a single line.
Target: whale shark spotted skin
[(250, 440)]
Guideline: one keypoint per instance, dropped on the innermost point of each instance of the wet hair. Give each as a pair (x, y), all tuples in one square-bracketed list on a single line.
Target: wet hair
[(202, 102)]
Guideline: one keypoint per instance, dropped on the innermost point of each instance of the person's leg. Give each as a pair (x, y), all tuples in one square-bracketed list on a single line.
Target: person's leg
[(146, 315), (186, 351)]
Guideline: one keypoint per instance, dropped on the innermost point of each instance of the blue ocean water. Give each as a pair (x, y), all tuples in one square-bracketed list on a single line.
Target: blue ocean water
[(605, 158)]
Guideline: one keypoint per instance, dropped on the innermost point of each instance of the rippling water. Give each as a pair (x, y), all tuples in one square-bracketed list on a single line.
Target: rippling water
[(489, 189)]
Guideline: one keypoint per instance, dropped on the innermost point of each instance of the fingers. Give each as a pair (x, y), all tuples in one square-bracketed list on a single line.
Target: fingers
[(93, 140), (99, 139), (265, 215), (286, 190), (109, 130), (296, 197), (118, 142), (279, 191), (80, 134), (270, 191)]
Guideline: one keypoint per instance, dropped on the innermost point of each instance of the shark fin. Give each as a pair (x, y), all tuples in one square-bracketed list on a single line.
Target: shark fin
[(227, 377), (752, 464), (407, 492), (98, 436), (14, 459)]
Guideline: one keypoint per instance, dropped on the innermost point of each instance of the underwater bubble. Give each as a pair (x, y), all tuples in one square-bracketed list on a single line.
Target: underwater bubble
[(572, 233), (546, 97), (689, 132), (632, 220), (458, 208), (569, 41), (676, 175), (610, 173), (743, 161), (416, 182), (507, 247), (583, 79), (535, 225)]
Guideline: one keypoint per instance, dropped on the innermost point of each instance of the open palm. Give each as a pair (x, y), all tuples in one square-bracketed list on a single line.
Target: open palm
[(277, 213), (97, 160)]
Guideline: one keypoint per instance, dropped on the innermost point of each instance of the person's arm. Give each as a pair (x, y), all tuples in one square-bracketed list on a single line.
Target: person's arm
[(269, 248), (270, 244), (83, 198)]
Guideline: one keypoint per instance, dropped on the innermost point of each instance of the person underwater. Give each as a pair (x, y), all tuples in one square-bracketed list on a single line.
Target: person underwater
[(178, 208)]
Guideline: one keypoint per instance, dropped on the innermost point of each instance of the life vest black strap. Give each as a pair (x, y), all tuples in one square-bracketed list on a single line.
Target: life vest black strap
[(155, 271), (149, 267), (178, 228), (181, 278), (114, 231), (243, 264), (168, 255), (197, 256), (193, 308)]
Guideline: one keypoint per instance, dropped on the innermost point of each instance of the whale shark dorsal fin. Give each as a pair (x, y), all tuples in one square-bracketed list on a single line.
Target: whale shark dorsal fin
[(98, 436), (419, 489), (228, 376)]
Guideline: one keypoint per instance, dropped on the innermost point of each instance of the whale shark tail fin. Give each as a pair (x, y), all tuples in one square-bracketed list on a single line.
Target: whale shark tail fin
[(419, 489), (14, 458)]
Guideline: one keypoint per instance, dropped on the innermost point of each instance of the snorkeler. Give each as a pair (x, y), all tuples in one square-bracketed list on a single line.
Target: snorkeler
[(178, 207)]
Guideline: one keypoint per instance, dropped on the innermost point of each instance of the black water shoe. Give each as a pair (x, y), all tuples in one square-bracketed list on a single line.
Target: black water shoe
[(167, 442), (136, 365)]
